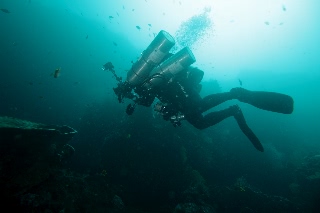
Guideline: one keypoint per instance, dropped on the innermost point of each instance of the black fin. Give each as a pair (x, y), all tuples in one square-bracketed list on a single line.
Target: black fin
[(271, 101)]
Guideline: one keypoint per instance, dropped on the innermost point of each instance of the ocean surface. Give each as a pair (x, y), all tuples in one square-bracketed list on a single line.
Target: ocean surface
[(151, 165)]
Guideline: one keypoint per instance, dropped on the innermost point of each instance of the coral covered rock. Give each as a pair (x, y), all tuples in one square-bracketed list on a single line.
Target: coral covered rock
[(30, 152)]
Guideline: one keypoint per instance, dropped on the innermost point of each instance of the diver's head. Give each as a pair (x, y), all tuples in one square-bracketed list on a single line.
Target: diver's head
[(194, 75)]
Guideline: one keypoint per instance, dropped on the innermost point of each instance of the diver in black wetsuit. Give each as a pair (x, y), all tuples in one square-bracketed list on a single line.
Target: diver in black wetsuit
[(177, 85), (181, 95)]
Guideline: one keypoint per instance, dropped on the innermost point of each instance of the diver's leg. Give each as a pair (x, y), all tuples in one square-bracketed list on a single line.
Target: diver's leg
[(238, 115), (212, 118), (271, 101), (214, 100), (202, 122)]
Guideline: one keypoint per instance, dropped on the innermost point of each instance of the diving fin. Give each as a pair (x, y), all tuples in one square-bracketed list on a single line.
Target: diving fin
[(271, 101), (238, 115)]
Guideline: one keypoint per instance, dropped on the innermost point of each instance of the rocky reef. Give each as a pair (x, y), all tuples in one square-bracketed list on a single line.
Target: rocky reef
[(30, 153), (124, 170)]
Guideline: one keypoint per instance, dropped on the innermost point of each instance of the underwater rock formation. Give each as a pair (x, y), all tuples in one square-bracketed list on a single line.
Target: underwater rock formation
[(29, 153)]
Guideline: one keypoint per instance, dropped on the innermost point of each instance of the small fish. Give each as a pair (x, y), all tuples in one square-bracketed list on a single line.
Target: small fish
[(123, 7), (115, 44), (5, 10), (118, 14), (150, 25), (57, 72), (266, 23), (284, 8), (111, 17), (138, 27), (240, 82), (87, 37)]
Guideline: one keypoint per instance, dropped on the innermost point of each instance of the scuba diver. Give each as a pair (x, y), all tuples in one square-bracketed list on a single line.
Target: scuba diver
[(170, 78)]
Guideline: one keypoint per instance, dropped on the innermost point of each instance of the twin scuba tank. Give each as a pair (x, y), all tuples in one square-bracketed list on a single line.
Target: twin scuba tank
[(156, 67), (150, 70)]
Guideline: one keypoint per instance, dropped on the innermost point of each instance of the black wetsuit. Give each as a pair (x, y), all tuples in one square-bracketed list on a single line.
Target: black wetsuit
[(181, 95)]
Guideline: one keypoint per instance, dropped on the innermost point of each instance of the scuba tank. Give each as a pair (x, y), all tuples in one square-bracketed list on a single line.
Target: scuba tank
[(151, 57), (169, 68)]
